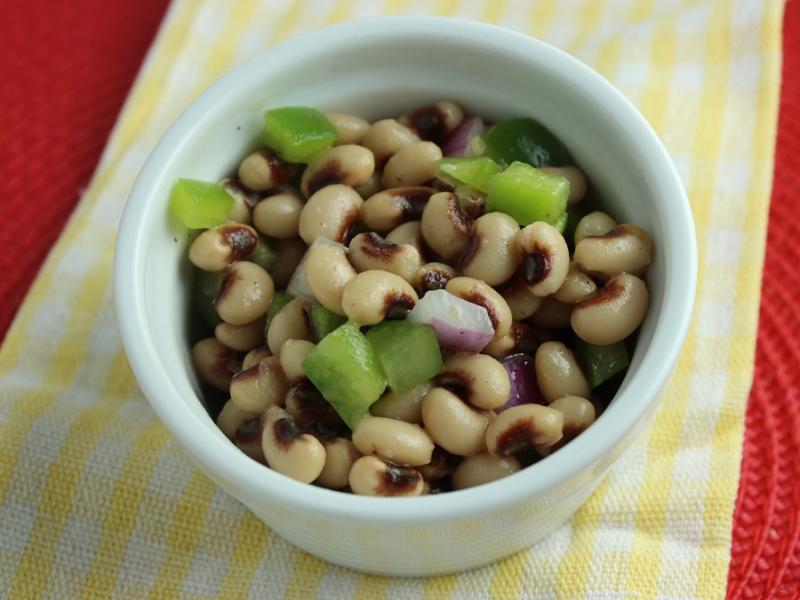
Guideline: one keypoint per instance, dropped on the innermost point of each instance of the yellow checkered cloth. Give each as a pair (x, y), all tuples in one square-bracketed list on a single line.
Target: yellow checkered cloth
[(97, 499)]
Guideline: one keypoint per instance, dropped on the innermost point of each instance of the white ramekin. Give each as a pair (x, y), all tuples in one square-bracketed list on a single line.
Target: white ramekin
[(380, 67)]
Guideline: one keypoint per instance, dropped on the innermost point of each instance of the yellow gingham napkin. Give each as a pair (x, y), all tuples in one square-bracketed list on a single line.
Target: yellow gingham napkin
[(96, 498)]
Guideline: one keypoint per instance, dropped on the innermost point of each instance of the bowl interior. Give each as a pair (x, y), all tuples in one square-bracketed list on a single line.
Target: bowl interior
[(382, 72)]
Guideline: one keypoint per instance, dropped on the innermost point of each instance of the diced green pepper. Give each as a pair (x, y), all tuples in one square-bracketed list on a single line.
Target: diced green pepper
[(525, 140), (601, 363), (199, 204), (528, 194), (323, 321), (561, 223), (279, 300), (474, 172), (206, 288), (344, 368), (409, 353), (297, 133), (264, 255)]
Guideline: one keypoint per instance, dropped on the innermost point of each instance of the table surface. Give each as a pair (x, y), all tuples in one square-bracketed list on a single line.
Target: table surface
[(60, 100)]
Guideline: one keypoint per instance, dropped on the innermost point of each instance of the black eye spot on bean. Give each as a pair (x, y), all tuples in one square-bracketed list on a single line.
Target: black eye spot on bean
[(281, 171), (241, 240), (516, 438), (249, 431), (461, 221), (413, 200), (429, 123), (376, 247), (434, 280), (456, 382), (608, 293), (477, 298), (397, 479), (228, 281), (470, 251), (537, 265), (397, 305), (349, 227), (328, 174), (286, 432), (311, 407)]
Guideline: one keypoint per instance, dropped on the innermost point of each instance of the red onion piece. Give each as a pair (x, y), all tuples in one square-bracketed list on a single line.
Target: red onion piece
[(524, 388), (458, 324), (457, 144)]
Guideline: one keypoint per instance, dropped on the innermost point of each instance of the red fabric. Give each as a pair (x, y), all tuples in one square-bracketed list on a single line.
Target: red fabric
[(65, 72), (765, 555), (65, 69)]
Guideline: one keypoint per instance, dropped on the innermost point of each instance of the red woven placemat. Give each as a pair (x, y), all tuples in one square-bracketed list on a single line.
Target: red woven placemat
[(61, 87), (765, 555), (65, 70)]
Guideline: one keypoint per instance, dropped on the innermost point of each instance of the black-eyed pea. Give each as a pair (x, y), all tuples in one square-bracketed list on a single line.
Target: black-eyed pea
[(434, 122), (552, 314), (453, 424), (576, 178), (393, 440), (618, 308), (263, 170), (331, 213), (408, 233), (371, 186), (477, 378), (288, 254), (414, 164), (522, 302), (288, 450), (558, 372), (577, 286), (371, 296), (340, 455), (545, 257), (231, 417), (243, 429), (405, 406), (595, 223), (310, 410), (278, 216), (242, 338), (293, 353), (387, 209), (523, 427), (483, 468), (214, 363), (386, 137), (349, 128), (476, 291), (259, 387), (243, 200), (578, 412), (441, 465), (371, 476), (349, 165), (445, 226), (370, 251), (218, 247), (327, 272), (491, 253), (255, 355), (245, 295), (625, 249), (290, 323), (433, 276)]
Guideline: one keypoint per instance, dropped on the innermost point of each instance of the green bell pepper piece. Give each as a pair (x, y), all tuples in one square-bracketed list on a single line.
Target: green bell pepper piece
[(297, 133), (528, 194), (199, 204), (474, 172), (601, 363), (525, 140), (323, 321), (409, 353)]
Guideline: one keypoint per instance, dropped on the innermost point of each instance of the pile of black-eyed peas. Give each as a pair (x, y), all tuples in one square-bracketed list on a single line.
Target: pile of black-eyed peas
[(403, 221)]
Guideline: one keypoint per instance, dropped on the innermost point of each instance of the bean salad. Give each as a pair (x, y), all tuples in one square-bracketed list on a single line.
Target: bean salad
[(412, 306)]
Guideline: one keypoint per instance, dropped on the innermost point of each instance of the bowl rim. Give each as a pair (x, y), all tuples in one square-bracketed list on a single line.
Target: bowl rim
[(227, 463)]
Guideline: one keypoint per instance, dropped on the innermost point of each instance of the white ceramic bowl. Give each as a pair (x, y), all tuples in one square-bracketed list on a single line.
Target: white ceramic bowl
[(375, 68)]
